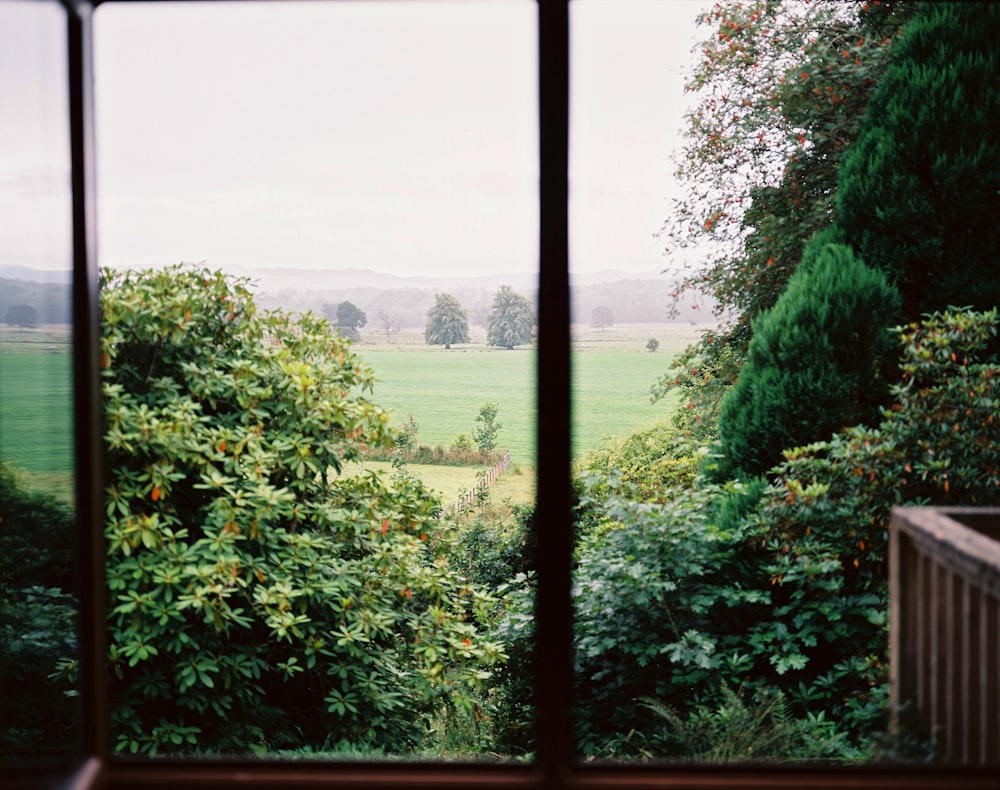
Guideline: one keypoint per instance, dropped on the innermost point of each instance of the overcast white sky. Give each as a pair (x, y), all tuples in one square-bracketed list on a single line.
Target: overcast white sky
[(396, 136)]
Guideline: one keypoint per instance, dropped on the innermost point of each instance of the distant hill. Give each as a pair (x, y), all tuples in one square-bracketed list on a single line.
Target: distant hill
[(632, 297)]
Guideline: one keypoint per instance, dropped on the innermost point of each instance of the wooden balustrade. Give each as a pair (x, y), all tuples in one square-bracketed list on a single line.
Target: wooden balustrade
[(944, 642)]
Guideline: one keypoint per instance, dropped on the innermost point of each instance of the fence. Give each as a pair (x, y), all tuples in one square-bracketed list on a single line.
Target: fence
[(485, 481), (944, 588)]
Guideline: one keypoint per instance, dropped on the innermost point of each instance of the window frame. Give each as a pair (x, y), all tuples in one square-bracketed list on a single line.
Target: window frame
[(554, 766)]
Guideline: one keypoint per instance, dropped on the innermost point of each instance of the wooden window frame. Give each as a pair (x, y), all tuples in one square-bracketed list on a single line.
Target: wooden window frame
[(554, 767)]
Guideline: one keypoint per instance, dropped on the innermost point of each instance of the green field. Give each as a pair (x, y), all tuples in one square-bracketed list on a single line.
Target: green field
[(36, 406), (450, 482), (442, 390)]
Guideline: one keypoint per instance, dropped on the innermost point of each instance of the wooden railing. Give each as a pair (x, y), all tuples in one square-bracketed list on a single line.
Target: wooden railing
[(944, 642)]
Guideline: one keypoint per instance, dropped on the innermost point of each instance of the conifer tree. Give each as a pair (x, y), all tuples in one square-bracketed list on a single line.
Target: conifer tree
[(919, 192)]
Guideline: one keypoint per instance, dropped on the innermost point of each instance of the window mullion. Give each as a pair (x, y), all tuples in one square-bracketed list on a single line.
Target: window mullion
[(87, 405), (553, 524)]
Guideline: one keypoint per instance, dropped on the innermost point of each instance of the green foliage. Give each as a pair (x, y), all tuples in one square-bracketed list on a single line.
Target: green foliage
[(447, 322), (38, 612), (782, 88), (484, 434), (660, 604), (780, 585), (736, 729), (462, 442), (258, 600), (781, 92), (511, 321), (648, 463), (348, 318), (816, 363), (652, 344), (920, 189)]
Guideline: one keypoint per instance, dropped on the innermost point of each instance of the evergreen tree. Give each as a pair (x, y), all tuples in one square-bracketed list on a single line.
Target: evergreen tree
[(919, 191), (816, 363)]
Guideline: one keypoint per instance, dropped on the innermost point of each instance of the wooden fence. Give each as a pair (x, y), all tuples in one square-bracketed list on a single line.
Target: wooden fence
[(944, 642), (485, 481)]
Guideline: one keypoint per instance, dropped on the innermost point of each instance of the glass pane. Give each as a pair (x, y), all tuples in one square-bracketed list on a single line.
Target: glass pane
[(300, 563), (733, 564), (627, 108), (39, 715)]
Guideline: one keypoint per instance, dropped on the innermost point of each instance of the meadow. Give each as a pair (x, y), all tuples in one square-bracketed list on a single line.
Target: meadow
[(443, 389), (36, 406)]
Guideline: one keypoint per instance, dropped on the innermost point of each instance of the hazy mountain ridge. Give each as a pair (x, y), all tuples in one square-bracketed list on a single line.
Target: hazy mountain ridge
[(632, 297)]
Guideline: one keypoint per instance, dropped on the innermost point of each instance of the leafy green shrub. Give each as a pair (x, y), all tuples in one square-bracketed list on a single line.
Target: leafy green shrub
[(649, 463), (259, 600), (781, 585), (461, 443), (659, 595), (38, 612), (816, 363)]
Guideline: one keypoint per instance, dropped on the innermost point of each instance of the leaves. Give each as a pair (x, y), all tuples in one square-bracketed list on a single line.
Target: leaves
[(254, 590)]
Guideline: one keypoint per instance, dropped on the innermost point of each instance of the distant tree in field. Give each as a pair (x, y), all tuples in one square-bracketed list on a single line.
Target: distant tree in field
[(511, 320), (652, 344), (487, 426), (22, 315), (347, 318), (919, 192), (602, 317), (447, 322), (389, 323)]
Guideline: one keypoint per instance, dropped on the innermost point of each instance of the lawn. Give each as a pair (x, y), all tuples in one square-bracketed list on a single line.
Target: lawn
[(442, 390), (450, 482), (36, 407)]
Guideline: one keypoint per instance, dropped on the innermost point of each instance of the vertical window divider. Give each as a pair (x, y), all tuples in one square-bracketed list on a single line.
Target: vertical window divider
[(88, 418), (553, 621)]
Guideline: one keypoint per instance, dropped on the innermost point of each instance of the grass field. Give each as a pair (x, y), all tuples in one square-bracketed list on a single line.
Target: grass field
[(442, 390), (36, 406), (450, 482)]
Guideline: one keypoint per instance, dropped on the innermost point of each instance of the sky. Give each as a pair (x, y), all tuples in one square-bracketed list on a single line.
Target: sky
[(394, 136)]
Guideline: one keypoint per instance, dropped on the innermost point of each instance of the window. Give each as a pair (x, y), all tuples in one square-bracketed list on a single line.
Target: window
[(553, 767)]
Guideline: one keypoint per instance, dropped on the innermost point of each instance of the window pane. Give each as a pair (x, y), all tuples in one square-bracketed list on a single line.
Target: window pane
[(374, 164), (627, 111), (39, 715)]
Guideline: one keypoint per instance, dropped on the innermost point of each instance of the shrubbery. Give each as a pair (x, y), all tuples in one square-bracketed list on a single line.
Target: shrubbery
[(781, 585), (38, 610), (817, 362), (259, 600)]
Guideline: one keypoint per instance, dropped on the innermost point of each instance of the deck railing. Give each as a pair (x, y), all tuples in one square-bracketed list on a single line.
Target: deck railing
[(945, 629)]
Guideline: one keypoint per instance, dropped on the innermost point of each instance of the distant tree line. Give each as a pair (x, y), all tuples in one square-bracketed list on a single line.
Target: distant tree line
[(51, 303)]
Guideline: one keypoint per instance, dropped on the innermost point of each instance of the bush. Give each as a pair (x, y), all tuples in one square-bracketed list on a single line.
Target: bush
[(649, 463), (781, 585), (260, 601), (816, 363), (38, 637)]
